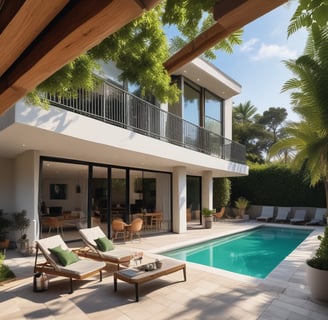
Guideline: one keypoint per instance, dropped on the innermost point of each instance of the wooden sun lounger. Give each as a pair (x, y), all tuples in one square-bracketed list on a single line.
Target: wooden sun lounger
[(115, 256), (79, 270), (137, 277)]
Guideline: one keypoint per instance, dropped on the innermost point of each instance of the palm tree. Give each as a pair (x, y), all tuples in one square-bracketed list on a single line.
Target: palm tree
[(244, 112), (247, 130), (309, 14), (309, 95)]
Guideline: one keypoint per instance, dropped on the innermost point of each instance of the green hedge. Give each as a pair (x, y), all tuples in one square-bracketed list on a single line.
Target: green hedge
[(277, 186), (221, 192)]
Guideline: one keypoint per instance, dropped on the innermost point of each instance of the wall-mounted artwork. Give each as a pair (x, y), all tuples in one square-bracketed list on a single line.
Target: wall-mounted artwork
[(58, 191)]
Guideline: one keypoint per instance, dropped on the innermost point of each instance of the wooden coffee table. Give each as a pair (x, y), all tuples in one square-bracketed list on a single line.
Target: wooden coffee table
[(136, 276)]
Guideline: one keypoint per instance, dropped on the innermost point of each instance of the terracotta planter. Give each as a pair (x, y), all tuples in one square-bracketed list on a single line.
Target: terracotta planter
[(318, 282)]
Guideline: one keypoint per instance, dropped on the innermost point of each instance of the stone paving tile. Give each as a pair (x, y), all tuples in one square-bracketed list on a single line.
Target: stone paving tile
[(208, 293)]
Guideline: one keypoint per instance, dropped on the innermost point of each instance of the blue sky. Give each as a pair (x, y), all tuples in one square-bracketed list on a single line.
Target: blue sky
[(257, 63)]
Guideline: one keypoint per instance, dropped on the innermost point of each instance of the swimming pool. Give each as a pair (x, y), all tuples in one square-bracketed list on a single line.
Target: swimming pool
[(254, 253)]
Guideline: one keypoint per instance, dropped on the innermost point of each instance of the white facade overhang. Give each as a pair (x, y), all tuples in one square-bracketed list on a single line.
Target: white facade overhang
[(64, 134), (210, 77)]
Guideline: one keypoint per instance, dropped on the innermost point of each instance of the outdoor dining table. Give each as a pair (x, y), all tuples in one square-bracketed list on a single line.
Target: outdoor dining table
[(148, 217)]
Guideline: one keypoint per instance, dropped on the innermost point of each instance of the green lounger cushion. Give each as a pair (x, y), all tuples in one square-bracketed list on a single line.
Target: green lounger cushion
[(104, 244), (65, 257)]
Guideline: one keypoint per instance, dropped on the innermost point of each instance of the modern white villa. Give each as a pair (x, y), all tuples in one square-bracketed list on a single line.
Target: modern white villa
[(109, 153)]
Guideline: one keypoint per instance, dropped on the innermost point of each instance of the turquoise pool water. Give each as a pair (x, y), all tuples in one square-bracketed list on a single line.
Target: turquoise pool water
[(254, 253)]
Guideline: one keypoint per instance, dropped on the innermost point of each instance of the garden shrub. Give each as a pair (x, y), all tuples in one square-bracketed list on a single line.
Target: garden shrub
[(5, 272)]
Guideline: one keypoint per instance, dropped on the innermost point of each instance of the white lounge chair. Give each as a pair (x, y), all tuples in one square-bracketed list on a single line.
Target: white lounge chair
[(66, 265), (282, 214), (318, 216), (266, 214), (113, 255), (299, 216)]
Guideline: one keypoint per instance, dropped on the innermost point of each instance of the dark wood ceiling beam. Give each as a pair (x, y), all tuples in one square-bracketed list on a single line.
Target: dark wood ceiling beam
[(232, 15), (18, 33), (79, 27)]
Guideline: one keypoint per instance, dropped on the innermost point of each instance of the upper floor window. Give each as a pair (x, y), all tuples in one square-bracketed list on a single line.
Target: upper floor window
[(191, 106), (213, 113)]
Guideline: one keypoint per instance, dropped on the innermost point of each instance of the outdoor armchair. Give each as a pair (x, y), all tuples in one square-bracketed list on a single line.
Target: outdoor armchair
[(61, 261), (119, 227), (135, 228), (219, 215)]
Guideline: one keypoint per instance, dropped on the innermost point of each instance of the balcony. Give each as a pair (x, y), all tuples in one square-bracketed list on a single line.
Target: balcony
[(118, 107)]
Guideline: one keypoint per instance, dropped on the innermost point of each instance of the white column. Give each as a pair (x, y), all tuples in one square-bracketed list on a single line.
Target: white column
[(179, 198), (207, 189), (227, 118), (27, 166)]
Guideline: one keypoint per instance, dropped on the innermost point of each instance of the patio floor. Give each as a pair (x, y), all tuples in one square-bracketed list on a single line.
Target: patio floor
[(208, 293)]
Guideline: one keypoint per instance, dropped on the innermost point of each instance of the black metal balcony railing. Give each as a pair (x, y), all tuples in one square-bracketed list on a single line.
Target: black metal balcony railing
[(118, 107)]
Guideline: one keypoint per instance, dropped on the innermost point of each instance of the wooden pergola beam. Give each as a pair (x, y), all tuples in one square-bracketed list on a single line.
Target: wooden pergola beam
[(43, 36), (230, 15)]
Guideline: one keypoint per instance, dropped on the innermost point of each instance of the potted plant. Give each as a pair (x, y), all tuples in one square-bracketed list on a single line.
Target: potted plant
[(208, 215), (5, 225), (21, 223), (317, 270), (241, 204)]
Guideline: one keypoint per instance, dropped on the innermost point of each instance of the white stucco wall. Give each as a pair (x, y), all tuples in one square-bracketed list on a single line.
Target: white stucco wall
[(227, 114)]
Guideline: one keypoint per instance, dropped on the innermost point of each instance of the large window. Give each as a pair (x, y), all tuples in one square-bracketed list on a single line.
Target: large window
[(213, 113), (191, 113), (191, 107)]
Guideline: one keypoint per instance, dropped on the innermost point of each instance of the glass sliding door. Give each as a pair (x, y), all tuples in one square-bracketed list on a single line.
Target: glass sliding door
[(63, 198), (150, 199), (81, 195), (119, 200), (99, 197), (194, 197)]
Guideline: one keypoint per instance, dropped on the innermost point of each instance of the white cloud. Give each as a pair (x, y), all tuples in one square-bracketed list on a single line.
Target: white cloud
[(249, 45), (274, 51)]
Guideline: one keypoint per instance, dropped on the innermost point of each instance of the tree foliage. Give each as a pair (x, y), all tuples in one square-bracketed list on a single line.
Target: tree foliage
[(139, 49), (309, 14), (248, 131), (273, 120), (309, 95), (192, 18)]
